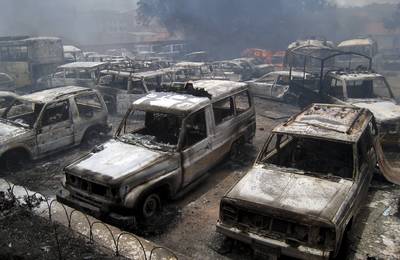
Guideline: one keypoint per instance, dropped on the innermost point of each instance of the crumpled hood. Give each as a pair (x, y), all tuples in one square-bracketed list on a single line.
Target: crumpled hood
[(9, 131), (284, 191), (116, 160), (383, 110)]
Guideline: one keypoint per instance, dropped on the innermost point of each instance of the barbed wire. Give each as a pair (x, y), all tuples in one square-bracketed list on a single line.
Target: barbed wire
[(34, 199)]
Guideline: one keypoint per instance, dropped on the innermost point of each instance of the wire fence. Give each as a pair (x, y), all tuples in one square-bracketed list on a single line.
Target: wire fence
[(31, 200)]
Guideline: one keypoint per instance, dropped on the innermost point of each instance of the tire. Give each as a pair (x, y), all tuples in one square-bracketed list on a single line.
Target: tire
[(13, 161), (235, 150), (150, 207), (291, 100), (92, 137)]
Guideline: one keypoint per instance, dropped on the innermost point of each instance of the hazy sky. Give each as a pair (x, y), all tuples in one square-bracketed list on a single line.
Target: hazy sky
[(363, 2)]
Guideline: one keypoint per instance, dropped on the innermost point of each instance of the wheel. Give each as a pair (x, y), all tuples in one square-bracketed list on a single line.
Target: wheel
[(291, 100), (92, 137), (234, 153), (150, 207), (13, 161)]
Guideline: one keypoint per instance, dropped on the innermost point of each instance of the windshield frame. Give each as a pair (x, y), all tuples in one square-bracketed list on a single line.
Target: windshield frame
[(15, 101), (264, 155), (118, 134), (384, 80)]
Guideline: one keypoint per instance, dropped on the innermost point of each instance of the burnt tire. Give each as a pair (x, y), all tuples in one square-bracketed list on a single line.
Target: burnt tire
[(150, 207), (92, 137), (236, 149), (13, 161)]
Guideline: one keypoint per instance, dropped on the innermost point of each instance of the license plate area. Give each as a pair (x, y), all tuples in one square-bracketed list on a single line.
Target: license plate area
[(267, 252)]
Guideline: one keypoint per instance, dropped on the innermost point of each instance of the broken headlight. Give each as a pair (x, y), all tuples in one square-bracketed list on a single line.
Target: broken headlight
[(228, 213)]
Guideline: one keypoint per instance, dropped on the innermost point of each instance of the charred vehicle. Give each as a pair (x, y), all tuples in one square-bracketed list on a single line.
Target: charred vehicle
[(309, 180), (279, 86), (36, 125), (366, 90), (84, 74), (360, 87), (163, 147), (120, 88)]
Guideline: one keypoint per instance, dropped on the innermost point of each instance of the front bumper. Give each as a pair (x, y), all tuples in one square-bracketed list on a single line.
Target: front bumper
[(279, 247), (103, 213)]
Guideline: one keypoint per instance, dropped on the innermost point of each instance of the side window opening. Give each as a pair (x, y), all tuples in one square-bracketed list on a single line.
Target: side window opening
[(223, 110), (242, 102), (196, 129), (88, 105), (336, 88), (56, 113)]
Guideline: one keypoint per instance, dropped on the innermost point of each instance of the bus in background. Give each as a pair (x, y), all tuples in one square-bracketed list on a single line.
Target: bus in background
[(26, 59)]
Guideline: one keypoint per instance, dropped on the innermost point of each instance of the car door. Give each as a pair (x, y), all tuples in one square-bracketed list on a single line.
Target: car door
[(280, 87), (263, 87), (55, 129), (196, 146)]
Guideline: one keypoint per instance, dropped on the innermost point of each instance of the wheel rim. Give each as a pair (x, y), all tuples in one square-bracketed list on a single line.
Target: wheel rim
[(150, 206)]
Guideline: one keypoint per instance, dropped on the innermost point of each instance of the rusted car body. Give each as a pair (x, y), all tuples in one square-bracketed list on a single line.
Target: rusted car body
[(120, 88), (163, 147), (366, 90), (306, 187), (279, 86), (84, 74), (36, 125)]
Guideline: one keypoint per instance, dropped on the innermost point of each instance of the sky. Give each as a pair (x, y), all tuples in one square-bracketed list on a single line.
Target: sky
[(363, 2)]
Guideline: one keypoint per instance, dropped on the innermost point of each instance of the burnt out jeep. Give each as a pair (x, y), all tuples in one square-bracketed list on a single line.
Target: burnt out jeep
[(308, 182), (39, 124), (164, 146)]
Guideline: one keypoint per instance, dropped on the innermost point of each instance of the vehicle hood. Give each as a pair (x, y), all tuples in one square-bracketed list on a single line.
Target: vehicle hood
[(10, 131), (383, 110), (115, 161), (284, 191)]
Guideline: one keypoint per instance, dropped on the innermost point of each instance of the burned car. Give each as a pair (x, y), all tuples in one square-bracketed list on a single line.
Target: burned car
[(309, 180), (163, 147), (120, 88), (84, 74), (279, 85), (39, 124), (366, 90)]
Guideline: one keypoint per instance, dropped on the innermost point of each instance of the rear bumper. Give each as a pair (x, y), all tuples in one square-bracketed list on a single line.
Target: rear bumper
[(277, 246), (100, 212)]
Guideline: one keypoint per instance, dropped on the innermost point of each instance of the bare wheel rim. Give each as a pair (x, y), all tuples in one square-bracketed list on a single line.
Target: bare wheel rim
[(151, 206)]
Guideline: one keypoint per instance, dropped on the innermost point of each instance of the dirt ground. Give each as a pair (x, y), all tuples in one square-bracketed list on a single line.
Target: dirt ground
[(187, 225)]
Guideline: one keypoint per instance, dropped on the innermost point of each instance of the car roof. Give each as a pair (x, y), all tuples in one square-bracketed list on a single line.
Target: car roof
[(184, 103), (298, 74), (356, 42), (355, 75), (82, 65), (326, 121), (50, 95)]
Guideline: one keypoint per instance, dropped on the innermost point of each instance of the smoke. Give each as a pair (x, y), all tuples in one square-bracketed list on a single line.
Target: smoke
[(225, 27), (69, 19)]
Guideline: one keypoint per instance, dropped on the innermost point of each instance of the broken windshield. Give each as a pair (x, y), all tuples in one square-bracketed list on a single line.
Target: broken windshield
[(23, 113), (368, 88), (321, 158), (153, 130)]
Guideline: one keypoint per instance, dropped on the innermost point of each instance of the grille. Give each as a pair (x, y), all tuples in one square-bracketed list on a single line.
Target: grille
[(264, 225), (87, 186)]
